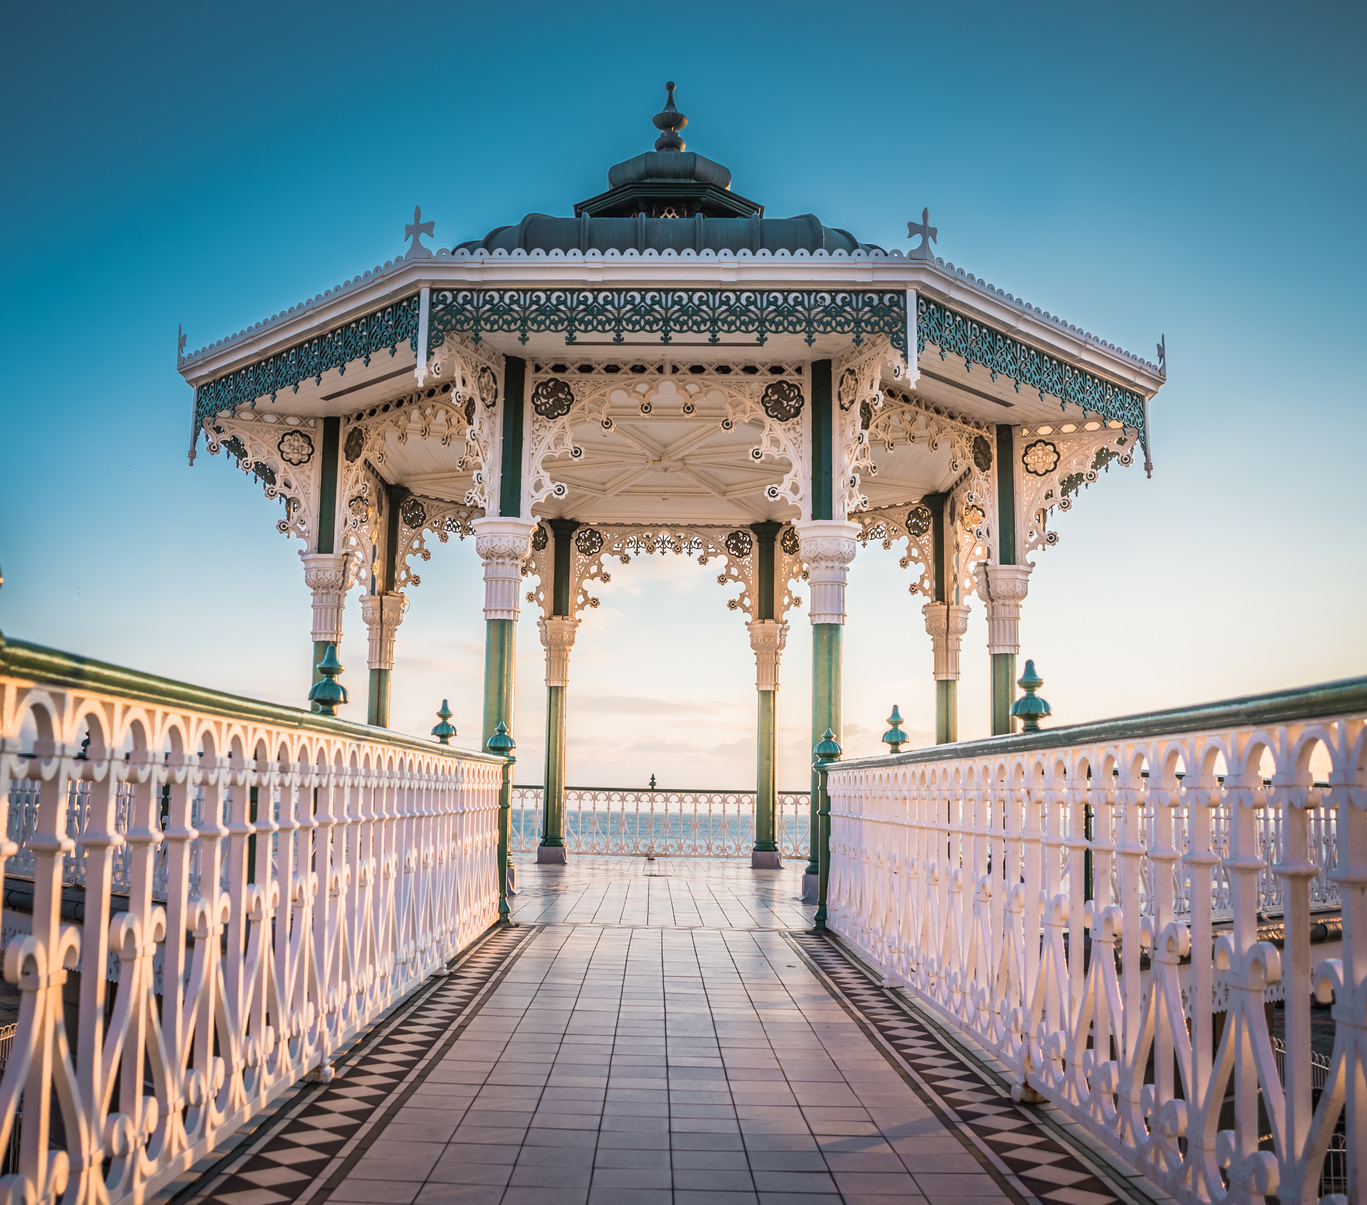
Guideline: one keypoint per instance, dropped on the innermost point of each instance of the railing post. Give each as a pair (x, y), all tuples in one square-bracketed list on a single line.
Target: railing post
[(503, 745), (826, 751)]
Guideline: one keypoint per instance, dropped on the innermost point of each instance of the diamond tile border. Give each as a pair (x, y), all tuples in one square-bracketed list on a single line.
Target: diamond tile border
[(305, 1149), (1027, 1156)]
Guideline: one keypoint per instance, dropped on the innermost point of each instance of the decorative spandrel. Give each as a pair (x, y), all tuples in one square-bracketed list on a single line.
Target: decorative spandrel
[(420, 517), (595, 545), (457, 411), (1057, 461), (859, 393), (280, 452)]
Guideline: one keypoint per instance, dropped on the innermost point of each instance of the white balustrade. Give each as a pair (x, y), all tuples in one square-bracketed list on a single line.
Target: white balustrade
[(257, 886), (676, 824), (1091, 904)]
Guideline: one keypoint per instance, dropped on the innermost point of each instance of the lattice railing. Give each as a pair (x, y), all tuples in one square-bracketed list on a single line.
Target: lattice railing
[(259, 883), (1043, 893), (676, 824)]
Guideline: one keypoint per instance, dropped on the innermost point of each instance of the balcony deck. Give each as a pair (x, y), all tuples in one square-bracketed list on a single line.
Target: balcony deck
[(658, 1031)]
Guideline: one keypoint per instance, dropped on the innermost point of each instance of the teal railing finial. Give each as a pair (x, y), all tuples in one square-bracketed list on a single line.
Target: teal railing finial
[(894, 737), (444, 730), (1030, 708), (501, 743), (329, 694)]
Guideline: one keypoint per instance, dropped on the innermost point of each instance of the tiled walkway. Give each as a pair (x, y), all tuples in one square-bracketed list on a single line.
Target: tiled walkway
[(662, 1038)]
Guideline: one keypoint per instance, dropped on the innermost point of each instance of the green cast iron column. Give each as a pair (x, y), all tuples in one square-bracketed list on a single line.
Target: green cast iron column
[(327, 517), (500, 634), (384, 575), (553, 809), (827, 637), (828, 645), (946, 689), (946, 711), (766, 777), (1004, 664), (766, 637), (500, 645), (557, 630), (377, 706)]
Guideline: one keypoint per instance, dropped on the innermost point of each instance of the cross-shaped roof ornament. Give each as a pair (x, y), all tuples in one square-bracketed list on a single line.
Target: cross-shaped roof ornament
[(928, 235), (415, 230)]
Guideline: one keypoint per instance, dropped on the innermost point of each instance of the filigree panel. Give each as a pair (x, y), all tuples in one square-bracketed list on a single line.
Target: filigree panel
[(906, 418), (595, 545), (1056, 462), (280, 452), (913, 524), (459, 408), (420, 517), (858, 386)]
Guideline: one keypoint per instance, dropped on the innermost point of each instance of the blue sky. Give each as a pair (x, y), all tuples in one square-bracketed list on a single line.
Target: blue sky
[(1188, 170)]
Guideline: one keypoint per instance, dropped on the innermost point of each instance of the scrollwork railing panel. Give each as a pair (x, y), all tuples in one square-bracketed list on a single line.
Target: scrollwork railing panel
[(1092, 904), (260, 883)]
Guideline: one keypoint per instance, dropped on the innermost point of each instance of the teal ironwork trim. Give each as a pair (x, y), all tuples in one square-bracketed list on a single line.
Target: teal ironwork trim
[(1328, 700), (1006, 356), (670, 312), (327, 490), (37, 663), (857, 313), (510, 472), (1006, 495), (823, 439), (381, 330)]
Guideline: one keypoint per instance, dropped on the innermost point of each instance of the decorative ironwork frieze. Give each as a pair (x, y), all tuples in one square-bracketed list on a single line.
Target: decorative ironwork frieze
[(1006, 356), (858, 313), (382, 330)]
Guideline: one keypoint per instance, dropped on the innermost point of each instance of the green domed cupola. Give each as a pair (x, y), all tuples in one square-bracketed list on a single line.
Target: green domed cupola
[(669, 182)]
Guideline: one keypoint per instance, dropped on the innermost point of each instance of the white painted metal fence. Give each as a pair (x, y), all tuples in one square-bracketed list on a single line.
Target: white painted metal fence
[(347, 866), (678, 824), (964, 872)]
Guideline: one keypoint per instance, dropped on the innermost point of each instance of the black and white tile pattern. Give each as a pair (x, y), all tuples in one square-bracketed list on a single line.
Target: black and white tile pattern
[(1031, 1160), (297, 1154)]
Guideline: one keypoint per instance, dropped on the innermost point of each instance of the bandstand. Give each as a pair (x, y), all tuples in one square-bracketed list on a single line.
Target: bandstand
[(670, 370)]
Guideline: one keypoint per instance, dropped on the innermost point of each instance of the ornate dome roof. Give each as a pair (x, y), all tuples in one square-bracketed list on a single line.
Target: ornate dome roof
[(668, 199)]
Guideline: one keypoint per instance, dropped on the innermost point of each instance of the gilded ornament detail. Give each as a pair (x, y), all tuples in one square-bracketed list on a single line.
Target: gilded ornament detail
[(552, 398), (982, 453), (295, 448), (740, 543), (1040, 458), (782, 400)]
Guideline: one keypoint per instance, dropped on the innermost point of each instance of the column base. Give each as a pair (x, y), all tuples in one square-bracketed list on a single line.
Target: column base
[(551, 855), (811, 888), (765, 859)]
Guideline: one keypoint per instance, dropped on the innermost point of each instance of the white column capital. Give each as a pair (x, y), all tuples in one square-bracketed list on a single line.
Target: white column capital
[(1003, 588), (946, 624), (382, 614), (767, 638), (502, 544), (327, 574), (827, 546), (557, 637)]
